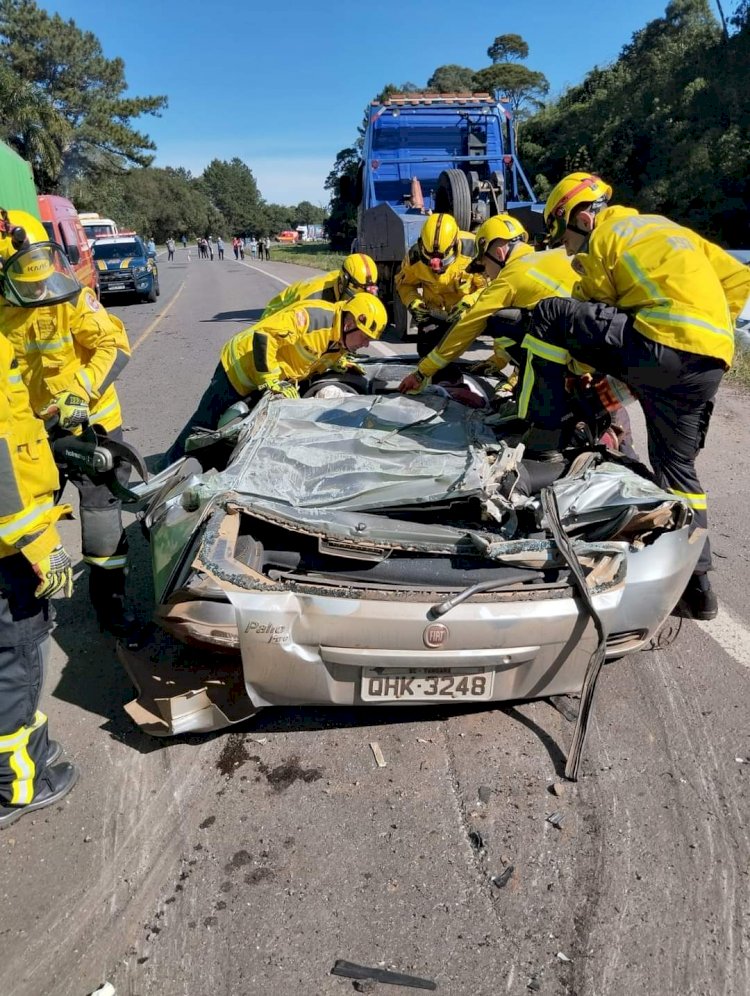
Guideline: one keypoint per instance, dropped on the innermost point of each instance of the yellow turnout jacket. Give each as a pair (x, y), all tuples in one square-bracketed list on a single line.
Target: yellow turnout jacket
[(75, 346), (683, 291), (524, 281)]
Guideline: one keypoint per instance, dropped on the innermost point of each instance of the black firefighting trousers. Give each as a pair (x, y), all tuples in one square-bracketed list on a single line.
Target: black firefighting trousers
[(25, 623), (675, 388)]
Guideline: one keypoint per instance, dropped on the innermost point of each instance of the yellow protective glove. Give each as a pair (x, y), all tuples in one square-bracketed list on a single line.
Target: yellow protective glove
[(55, 573), (283, 388), (345, 363), (419, 311), (71, 409)]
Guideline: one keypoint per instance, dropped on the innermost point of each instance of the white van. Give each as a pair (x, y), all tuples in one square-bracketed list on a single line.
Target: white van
[(97, 227)]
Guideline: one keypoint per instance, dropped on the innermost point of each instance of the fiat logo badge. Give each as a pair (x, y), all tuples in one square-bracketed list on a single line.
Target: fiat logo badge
[(435, 635)]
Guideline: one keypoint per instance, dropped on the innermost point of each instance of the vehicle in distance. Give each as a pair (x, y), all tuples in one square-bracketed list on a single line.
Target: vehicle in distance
[(97, 227), (63, 226), (126, 267), (380, 549)]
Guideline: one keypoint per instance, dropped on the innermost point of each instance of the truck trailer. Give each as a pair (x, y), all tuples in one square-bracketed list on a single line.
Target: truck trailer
[(426, 152)]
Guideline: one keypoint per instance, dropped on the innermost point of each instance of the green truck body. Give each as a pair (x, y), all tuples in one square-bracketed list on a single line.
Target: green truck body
[(17, 188)]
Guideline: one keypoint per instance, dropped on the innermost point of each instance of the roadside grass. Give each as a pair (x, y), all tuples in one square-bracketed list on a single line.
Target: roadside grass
[(739, 375), (319, 255)]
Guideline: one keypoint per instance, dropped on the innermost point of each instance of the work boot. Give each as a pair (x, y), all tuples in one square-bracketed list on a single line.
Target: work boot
[(699, 598), (107, 593), (54, 750), (542, 444), (54, 784)]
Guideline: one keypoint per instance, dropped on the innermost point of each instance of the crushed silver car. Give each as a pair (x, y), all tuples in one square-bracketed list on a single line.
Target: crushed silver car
[(381, 549)]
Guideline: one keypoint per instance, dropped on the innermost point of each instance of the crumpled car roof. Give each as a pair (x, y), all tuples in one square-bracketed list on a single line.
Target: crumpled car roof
[(361, 453)]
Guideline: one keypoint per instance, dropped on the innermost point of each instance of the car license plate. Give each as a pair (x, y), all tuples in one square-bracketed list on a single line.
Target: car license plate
[(418, 685), (115, 287)]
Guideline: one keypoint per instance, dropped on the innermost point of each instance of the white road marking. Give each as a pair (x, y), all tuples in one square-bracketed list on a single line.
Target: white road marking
[(265, 273), (732, 636)]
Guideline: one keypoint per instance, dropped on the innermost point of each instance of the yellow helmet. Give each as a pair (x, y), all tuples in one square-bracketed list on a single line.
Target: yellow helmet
[(358, 273), (369, 314), (438, 241), (33, 271), (500, 226), (572, 190)]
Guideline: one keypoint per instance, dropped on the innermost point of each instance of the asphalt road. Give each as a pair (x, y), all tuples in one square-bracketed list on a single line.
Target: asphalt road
[(246, 863)]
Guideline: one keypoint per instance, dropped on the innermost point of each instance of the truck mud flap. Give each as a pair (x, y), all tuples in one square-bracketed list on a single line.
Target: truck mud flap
[(182, 689)]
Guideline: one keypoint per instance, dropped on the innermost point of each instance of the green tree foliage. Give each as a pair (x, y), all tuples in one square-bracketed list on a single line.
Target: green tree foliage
[(508, 48), (341, 224), (307, 213), (83, 93), (668, 124), (451, 79), (31, 125), (523, 87), (232, 189)]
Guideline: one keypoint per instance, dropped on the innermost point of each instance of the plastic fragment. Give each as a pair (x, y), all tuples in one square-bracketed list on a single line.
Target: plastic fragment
[(556, 819), (349, 970), (476, 840), (501, 880), (107, 989), (561, 956), (378, 754)]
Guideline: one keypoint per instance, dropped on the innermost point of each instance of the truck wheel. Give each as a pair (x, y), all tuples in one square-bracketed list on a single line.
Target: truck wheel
[(453, 196)]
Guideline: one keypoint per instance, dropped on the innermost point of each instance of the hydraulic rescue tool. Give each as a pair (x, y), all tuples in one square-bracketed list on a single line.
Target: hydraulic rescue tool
[(96, 455)]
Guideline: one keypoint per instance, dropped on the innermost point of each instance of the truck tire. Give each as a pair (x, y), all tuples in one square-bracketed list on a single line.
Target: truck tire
[(453, 196)]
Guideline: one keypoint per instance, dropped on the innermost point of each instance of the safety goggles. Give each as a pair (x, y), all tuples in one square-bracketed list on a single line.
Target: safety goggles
[(445, 258)]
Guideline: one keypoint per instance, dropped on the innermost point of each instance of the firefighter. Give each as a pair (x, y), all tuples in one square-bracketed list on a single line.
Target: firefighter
[(69, 352), (33, 566), (358, 273), (654, 307), (433, 280), (278, 352), (519, 278)]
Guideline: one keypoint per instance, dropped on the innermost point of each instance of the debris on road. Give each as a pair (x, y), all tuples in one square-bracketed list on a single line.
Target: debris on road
[(476, 840), (566, 705), (484, 794), (349, 970), (378, 754), (561, 956), (501, 880), (534, 984), (558, 789), (107, 989), (556, 819)]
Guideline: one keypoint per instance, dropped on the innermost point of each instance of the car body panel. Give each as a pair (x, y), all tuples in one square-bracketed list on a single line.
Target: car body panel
[(362, 486)]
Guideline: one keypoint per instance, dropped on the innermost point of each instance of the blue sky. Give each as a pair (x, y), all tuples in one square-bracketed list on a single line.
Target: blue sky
[(283, 85)]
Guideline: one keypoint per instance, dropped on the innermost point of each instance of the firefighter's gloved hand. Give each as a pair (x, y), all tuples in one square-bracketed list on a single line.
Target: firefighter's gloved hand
[(419, 311), (71, 409), (413, 383), (459, 311), (347, 364), (282, 388), (55, 573)]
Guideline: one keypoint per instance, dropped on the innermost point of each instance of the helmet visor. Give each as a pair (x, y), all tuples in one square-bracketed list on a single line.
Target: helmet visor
[(39, 275)]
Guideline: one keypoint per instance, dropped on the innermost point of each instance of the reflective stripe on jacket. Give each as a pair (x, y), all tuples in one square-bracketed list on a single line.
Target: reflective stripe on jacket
[(682, 290), (76, 346), (524, 281), (286, 346), (325, 288), (439, 290), (28, 475)]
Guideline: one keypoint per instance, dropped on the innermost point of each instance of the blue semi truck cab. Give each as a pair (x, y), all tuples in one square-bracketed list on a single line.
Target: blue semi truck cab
[(451, 152)]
